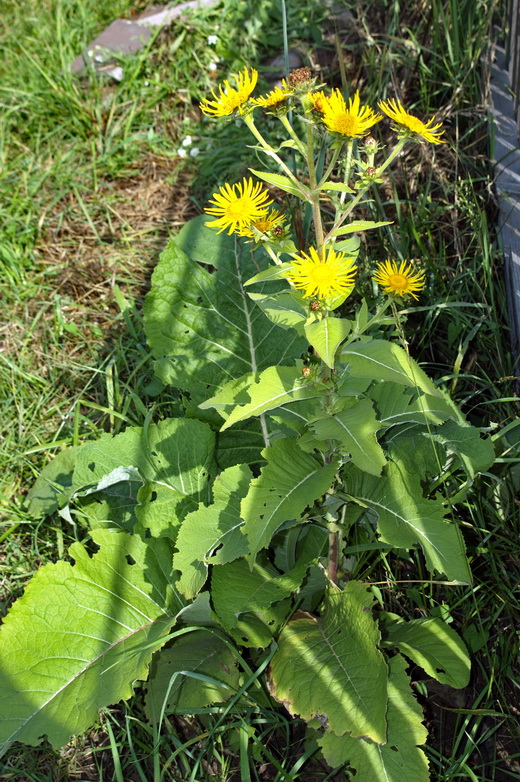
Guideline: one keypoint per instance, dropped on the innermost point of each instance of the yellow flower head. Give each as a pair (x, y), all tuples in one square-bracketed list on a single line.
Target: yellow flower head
[(317, 100), (399, 280), (237, 206), (331, 275), (276, 99), (415, 127), (229, 99), (351, 121), (263, 224)]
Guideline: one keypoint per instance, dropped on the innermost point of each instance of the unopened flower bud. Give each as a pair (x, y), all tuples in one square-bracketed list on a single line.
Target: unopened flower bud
[(278, 230), (371, 171), (370, 143), (306, 371), (315, 305)]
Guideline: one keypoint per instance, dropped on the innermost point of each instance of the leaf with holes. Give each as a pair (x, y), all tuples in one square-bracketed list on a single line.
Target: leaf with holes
[(290, 481), (203, 328), (82, 635), (400, 758), (331, 665)]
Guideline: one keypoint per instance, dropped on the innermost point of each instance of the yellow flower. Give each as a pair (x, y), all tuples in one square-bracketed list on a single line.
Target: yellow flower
[(399, 280), (263, 224), (317, 100), (237, 206), (332, 275), (276, 99), (352, 121), (229, 99), (428, 131)]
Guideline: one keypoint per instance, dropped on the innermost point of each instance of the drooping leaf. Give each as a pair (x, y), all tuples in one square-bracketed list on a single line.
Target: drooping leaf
[(331, 665), (203, 328), (326, 336), (405, 518), (395, 405), (290, 481), (212, 534), (355, 428), (271, 273), (359, 225), (53, 486), (82, 635), (273, 387), (109, 503), (430, 643), (172, 689), (283, 182), (400, 759), (382, 360)]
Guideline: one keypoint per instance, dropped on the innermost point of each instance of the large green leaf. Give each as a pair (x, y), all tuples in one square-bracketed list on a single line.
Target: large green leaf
[(476, 454), (432, 644), (331, 666), (175, 454), (53, 486), (326, 336), (396, 405), (82, 635), (290, 481), (355, 428), (272, 388), (202, 327), (400, 759), (212, 534), (407, 518), (282, 308), (171, 687), (379, 359)]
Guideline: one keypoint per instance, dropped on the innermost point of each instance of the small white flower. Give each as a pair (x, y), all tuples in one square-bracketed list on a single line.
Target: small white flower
[(194, 151), (212, 66), (187, 142), (212, 40), (181, 152)]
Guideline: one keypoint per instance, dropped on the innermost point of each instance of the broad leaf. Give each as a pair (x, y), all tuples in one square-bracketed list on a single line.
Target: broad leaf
[(241, 445), (203, 328), (290, 481), (273, 387), (172, 689), (407, 518), (53, 486), (283, 182), (476, 454), (331, 666), (326, 336), (212, 534), (355, 428), (271, 273), (339, 187), (282, 308), (382, 360), (400, 759), (82, 635), (432, 644), (396, 405)]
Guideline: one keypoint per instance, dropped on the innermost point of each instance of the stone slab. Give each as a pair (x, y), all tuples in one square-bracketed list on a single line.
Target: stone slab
[(124, 37)]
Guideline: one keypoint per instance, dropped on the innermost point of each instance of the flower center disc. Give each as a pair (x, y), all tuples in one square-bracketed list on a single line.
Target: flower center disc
[(346, 124), (398, 282), (239, 208)]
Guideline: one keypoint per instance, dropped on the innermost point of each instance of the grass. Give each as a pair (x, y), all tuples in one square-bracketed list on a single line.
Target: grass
[(90, 186)]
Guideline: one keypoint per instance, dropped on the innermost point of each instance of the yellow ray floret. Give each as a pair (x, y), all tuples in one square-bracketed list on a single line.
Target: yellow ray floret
[(229, 98), (330, 275), (264, 224), (317, 100), (399, 280), (425, 130), (351, 121), (237, 206), (275, 99)]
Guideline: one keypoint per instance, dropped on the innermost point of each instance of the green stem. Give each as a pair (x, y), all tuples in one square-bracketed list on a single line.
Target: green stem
[(348, 166), (314, 194), (339, 222), (332, 164), (290, 130), (391, 157), (248, 119), (332, 569)]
